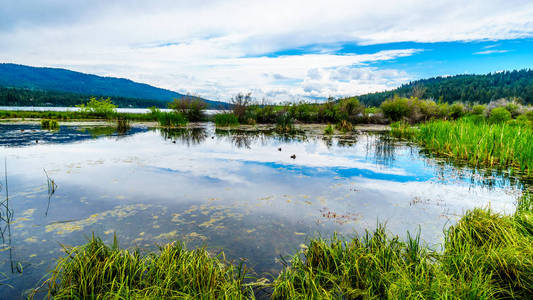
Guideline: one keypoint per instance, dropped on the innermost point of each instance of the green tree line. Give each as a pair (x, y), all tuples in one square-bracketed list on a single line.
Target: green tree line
[(464, 88)]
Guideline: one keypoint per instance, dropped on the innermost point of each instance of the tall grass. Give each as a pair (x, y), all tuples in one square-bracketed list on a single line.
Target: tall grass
[(486, 256), (480, 143), (49, 124), (226, 119), (172, 119), (98, 271)]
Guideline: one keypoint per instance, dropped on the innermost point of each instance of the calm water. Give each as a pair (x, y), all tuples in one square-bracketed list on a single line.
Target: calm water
[(233, 191), (120, 110)]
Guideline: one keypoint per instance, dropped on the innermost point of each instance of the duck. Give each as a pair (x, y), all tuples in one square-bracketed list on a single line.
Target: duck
[(293, 156), (279, 149)]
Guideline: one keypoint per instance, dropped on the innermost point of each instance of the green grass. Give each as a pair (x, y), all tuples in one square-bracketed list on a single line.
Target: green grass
[(486, 256), (49, 124), (98, 271), (171, 119), (329, 130), (226, 119), (474, 140)]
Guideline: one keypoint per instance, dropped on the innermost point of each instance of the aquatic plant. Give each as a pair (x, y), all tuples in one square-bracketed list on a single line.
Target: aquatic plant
[(402, 129), (329, 130), (480, 143), (52, 187), (285, 123), (226, 119), (344, 126), (49, 124), (172, 119), (98, 271), (123, 125)]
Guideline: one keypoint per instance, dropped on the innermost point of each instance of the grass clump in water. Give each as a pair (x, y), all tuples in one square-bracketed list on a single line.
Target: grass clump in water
[(480, 143), (171, 119), (285, 123), (97, 271), (49, 124), (226, 119), (402, 130), (329, 130), (344, 126)]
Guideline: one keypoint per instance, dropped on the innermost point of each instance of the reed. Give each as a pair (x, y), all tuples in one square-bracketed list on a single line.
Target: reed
[(480, 143), (172, 119), (226, 119), (123, 125)]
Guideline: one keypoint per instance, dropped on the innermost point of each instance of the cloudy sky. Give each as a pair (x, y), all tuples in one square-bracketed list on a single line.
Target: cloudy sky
[(278, 50)]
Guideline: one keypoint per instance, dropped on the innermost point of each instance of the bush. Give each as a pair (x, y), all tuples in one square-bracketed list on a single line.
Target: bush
[(395, 109), (102, 107), (499, 115), (240, 105), (478, 109), (457, 110), (189, 106), (226, 119), (349, 109), (529, 115)]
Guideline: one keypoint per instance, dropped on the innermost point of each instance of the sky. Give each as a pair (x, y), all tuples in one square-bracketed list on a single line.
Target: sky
[(277, 50)]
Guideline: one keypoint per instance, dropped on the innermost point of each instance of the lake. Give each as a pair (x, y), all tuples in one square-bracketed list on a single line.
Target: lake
[(239, 191), (208, 112)]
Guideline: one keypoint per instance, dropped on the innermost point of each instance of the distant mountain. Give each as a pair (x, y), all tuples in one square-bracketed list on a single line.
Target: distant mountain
[(60, 81), (464, 88)]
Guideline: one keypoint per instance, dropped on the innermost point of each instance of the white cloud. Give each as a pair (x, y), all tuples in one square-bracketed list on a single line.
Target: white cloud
[(491, 51), (215, 48)]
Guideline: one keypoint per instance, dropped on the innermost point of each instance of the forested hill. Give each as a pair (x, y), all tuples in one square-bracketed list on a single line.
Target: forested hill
[(464, 88), (44, 82)]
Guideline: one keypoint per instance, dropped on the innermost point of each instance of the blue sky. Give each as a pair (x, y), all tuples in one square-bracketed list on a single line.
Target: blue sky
[(278, 50)]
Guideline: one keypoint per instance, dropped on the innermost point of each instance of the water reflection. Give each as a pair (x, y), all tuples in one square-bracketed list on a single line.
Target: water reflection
[(227, 189), (6, 218), (16, 135), (186, 136)]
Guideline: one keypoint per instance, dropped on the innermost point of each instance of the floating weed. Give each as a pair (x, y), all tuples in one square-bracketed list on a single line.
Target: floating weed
[(71, 226)]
